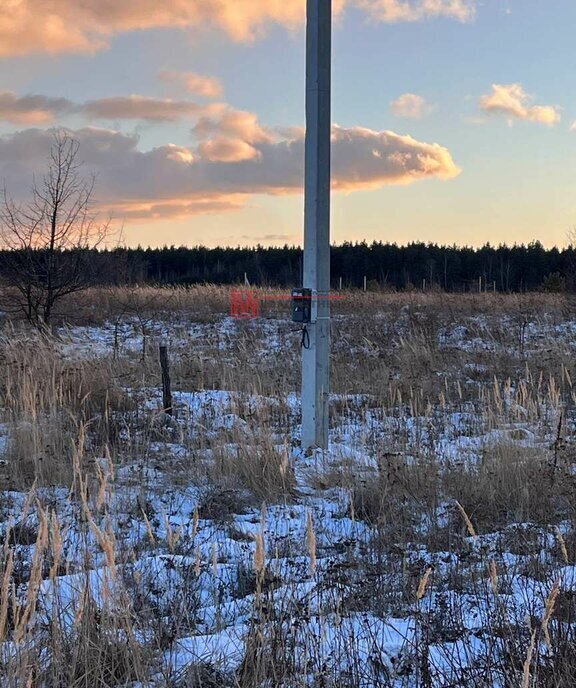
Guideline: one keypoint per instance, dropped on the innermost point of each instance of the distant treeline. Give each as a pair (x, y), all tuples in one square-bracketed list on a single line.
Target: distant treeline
[(388, 266)]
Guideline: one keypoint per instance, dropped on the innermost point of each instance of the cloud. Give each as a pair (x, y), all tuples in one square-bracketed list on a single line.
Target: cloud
[(31, 109), (366, 159), (70, 26), (513, 102), (228, 127), (198, 84), (175, 208), (411, 106), (144, 108), (40, 109), (418, 10), (232, 123), (222, 149), (171, 180)]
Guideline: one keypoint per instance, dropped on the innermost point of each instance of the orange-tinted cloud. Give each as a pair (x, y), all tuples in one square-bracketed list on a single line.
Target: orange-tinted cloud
[(40, 109), (237, 124), (71, 26), (31, 109), (511, 101), (411, 106), (143, 108), (60, 26), (173, 180), (367, 159), (223, 149), (177, 208), (198, 84)]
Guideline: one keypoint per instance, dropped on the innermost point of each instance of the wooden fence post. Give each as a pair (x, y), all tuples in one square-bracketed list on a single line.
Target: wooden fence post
[(166, 385)]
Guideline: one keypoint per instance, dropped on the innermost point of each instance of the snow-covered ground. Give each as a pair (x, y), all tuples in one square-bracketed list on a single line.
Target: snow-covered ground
[(364, 570)]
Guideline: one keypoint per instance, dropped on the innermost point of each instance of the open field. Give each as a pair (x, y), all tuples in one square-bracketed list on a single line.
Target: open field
[(434, 545)]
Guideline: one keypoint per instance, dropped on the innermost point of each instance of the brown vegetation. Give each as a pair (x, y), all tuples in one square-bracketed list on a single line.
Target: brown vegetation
[(89, 417)]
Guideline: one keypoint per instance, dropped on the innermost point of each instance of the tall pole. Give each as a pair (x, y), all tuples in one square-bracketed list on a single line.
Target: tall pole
[(315, 357)]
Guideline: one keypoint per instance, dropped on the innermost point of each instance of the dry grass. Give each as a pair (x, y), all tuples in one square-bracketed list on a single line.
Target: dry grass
[(45, 401), (76, 421), (258, 467)]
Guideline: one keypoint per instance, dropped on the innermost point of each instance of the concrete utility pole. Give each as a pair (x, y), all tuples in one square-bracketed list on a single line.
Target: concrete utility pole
[(315, 358)]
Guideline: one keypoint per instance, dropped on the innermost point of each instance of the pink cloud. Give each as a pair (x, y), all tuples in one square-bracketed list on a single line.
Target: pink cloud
[(510, 100), (197, 84), (410, 106), (222, 149), (70, 26), (367, 159), (233, 123), (143, 108), (62, 26), (176, 180), (40, 109), (31, 109)]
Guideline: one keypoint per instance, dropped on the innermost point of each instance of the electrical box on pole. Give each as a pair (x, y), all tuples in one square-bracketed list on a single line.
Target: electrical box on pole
[(316, 277), (302, 306)]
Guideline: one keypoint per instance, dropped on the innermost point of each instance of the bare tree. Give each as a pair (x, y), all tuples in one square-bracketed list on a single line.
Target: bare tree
[(51, 237), (142, 305)]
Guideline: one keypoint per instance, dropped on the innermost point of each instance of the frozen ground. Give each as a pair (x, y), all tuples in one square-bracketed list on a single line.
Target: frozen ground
[(370, 576)]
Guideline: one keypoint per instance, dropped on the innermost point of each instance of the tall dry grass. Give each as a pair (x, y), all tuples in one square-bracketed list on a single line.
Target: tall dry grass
[(73, 422)]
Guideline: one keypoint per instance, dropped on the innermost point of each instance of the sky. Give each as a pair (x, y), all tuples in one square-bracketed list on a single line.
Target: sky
[(454, 120)]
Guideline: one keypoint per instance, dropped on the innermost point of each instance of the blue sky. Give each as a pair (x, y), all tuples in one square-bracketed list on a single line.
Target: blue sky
[(512, 168)]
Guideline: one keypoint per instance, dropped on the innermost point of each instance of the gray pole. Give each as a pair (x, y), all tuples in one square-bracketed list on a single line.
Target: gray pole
[(315, 359)]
